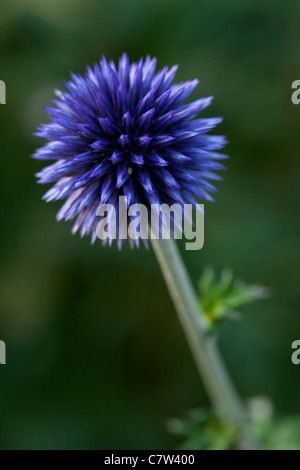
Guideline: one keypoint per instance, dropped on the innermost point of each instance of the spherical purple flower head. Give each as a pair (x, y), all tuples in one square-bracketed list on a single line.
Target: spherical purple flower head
[(124, 131)]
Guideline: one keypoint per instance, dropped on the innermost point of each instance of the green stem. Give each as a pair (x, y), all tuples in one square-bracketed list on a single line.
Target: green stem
[(224, 397)]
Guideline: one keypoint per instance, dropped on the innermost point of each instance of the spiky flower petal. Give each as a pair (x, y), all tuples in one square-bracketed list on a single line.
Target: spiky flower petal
[(125, 131)]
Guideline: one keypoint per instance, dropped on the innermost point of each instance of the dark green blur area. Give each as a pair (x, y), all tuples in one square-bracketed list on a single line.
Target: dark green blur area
[(96, 358)]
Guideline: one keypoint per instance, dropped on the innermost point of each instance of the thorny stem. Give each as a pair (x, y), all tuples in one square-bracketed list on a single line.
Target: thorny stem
[(225, 399)]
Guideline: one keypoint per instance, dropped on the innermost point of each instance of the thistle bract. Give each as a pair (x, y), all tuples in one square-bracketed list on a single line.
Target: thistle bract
[(125, 131)]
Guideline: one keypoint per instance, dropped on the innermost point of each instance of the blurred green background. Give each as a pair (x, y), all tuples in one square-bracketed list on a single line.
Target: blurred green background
[(95, 355)]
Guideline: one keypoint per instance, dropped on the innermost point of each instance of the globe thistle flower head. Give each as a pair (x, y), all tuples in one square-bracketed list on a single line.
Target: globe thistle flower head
[(125, 131)]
